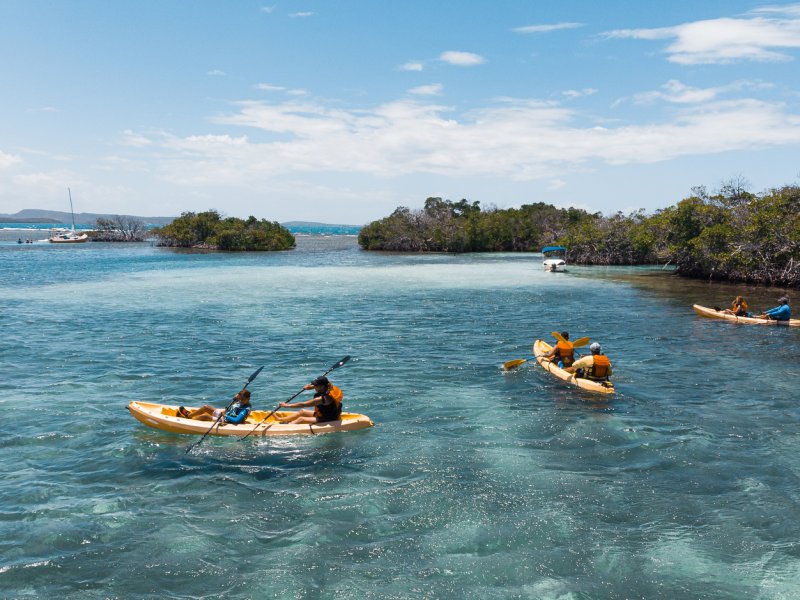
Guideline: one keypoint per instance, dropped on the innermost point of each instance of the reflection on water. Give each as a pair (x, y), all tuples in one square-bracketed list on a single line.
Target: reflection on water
[(474, 482)]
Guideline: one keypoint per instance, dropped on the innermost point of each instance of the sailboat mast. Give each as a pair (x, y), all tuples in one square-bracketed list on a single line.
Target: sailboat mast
[(72, 212)]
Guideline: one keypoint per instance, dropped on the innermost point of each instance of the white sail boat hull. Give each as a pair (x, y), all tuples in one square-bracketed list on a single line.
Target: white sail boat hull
[(67, 236)]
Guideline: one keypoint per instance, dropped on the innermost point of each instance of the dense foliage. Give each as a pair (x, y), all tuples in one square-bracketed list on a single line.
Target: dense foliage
[(445, 226), (733, 235), (209, 230)]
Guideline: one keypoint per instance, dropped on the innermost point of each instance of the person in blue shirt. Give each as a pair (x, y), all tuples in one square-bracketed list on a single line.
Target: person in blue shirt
[(237, 413), (782, 312)]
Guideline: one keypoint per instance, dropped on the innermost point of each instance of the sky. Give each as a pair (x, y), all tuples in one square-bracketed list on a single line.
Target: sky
[(340, 111)]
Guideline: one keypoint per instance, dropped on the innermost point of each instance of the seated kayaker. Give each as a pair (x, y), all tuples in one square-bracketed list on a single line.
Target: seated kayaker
[(327, 403), (563, 352), (738, 308), (237, 413), (782, 312), (595, 366)]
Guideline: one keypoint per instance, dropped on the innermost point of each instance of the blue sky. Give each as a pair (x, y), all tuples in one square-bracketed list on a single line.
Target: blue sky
[(341, 111)]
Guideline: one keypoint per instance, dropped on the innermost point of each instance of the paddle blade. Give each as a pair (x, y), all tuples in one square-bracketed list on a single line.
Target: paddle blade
[(581, 342), (254, 375), (513, 364), (558, 336), (340, 363)]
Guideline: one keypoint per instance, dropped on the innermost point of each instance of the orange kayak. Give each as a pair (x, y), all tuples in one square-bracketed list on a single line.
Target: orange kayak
[(165, 417)]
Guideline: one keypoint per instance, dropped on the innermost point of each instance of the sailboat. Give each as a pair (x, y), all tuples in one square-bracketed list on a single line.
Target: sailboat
[(61, 235)]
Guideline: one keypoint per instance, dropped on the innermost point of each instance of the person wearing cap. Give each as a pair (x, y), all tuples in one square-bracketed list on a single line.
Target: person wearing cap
[(596, 366), (563, 352), (327, 403), (782, 312)]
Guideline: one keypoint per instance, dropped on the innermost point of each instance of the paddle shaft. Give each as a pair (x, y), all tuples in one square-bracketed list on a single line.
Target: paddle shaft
[(227, 408), (302, 389)]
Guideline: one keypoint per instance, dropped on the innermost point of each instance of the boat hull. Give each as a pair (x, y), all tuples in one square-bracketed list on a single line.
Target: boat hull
[(704, 311), (68, 238), (540, 348), (164, 417), (554, 265)]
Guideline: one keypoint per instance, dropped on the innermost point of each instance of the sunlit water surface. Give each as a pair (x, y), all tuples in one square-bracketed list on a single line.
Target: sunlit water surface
[(474, 483)]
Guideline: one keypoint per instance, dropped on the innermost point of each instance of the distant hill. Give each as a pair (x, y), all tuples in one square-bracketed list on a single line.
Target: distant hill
[(314, 224), (35, 215)]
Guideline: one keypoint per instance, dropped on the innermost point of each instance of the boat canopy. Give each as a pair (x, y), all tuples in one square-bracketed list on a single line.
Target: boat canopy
[(554, 249)]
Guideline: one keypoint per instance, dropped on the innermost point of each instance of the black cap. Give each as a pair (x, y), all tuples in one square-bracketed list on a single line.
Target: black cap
[(320, 381)]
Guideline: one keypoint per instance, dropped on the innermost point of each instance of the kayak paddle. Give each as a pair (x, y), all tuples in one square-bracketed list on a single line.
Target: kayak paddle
[(253, 376), (302, 389), (513, 364), (576, 344)]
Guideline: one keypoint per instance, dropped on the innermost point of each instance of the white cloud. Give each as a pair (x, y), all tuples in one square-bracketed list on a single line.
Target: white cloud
[(752, 37), (302, 15), (461, 59), (135, 140), (267, 87), (546, 28), (513, 140), (676, 92), (411, 66), (8, 160), (216, 73), (579, 93), (267, 9), (433, 89)]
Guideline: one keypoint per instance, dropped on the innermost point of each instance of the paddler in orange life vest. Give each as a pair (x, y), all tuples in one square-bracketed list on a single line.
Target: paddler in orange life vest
[(327, 403), (596, 366), (562, 352)]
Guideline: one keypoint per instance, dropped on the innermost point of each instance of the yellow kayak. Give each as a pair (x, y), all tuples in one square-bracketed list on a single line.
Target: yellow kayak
[(704, 311), (165, 417), (540, 348)]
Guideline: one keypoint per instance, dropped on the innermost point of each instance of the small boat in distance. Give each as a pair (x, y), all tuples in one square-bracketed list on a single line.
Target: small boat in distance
[(555, 258), (60, 235)]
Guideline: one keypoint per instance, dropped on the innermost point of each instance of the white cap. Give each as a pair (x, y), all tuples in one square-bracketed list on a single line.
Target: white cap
[(595, 347)]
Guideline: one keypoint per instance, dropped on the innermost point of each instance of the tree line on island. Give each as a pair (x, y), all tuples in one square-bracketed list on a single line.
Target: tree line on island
[(206, 230), (732, 235)]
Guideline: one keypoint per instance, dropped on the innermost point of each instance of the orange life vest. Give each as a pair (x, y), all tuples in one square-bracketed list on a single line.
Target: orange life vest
[(600, 367), (566, 352), (739, 309), (330, 412)]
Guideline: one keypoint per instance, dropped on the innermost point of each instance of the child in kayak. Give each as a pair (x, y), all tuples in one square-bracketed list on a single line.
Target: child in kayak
[(563, 352), (738, 308), (236, 414)]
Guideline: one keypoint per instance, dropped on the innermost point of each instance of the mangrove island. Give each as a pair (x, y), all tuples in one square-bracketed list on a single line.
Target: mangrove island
[(732, 235), (208, 230)]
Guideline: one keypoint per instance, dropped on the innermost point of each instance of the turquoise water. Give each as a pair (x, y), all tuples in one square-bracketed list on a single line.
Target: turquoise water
[(474, 483)]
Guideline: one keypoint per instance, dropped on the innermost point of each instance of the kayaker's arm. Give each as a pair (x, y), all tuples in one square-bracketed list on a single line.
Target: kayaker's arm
[(312, 402)]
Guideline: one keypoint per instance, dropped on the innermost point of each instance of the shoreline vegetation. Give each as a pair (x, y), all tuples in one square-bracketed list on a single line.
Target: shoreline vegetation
[(733, 235), (209, 231)]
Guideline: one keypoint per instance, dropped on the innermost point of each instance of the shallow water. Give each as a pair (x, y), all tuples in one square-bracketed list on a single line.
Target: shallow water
[(474, 483)]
